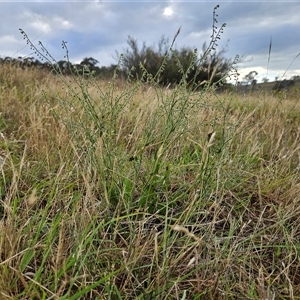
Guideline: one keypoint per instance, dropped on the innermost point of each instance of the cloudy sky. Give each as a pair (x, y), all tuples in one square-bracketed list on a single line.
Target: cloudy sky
[(98, 28)]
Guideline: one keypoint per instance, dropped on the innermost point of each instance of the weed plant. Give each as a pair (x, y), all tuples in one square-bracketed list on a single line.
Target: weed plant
[(127, 190)]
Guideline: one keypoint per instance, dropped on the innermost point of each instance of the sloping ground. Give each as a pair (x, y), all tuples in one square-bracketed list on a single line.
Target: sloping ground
[(293, 90)]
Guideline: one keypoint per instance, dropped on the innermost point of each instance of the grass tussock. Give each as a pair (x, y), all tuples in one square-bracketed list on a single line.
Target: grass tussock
[(118, 190)]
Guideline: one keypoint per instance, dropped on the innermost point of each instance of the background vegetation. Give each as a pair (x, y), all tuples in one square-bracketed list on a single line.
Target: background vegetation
[(166, 65), (127, 190)]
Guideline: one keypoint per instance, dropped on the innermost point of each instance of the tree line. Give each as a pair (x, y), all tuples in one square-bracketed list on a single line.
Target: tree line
[(160, 63), (87, 65)]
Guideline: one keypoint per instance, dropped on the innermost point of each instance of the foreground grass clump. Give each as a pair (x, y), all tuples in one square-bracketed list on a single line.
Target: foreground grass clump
[(127, 191)]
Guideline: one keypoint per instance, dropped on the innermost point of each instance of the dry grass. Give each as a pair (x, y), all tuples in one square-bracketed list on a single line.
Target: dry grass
[(115, 191)]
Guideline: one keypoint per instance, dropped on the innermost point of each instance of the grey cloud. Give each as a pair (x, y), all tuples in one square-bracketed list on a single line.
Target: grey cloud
[(99, 28)]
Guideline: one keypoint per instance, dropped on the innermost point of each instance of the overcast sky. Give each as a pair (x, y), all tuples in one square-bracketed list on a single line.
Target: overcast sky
[(98, 28)]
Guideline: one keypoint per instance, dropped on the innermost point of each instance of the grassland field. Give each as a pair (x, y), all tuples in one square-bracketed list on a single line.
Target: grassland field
[(122, 190)]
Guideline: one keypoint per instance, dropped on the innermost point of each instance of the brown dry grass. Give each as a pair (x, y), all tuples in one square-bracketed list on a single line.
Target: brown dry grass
[(134, 210)]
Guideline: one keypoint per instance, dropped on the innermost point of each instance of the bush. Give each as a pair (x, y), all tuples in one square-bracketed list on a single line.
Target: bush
[(177, 66)]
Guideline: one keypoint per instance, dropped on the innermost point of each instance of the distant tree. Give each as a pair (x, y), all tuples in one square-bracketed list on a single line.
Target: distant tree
[(210, 67), (265, 80), (8, 59), (215, 65), (148, 56), (250, 77), (90, 62)]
